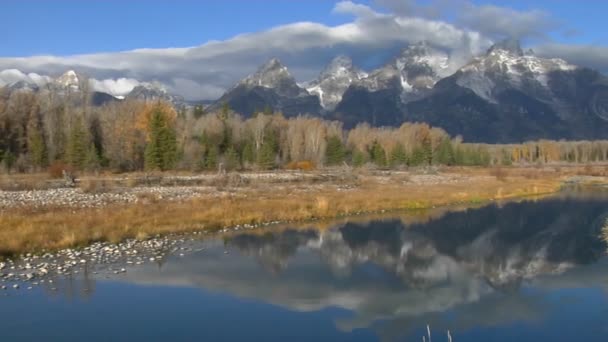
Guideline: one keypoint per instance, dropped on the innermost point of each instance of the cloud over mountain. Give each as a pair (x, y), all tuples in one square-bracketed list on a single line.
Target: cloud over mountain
[(206, 71)]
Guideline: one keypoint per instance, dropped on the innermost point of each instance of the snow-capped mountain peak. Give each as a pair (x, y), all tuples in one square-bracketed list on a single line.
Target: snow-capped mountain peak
[(69, 80), (334, 80), (415, 70), (420, 66), (274, 75), (506, 64), (154, 91), (509, 46), (269, 75)]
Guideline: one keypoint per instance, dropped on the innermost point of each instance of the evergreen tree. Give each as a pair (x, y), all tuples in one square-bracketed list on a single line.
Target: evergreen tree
[(266, 156), (211, 158), (161, 150), (445, 153), (334, 152), (398, 155), (422, 154), (169, 148), (231, 159), (378, 154), (93, 160), (417, 158), (77, 146), (8, 159), (35, 140), (427, 151), (249, 152), (359, 158)]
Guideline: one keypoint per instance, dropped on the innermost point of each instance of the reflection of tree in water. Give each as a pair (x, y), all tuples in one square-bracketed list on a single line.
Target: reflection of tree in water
[(502, 245), (472, 261), (72, 286)]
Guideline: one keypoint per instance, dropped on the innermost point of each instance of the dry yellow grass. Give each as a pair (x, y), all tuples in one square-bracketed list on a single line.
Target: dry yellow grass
[(25, 230)]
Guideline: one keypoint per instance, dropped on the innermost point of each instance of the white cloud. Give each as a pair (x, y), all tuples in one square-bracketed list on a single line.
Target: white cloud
[(587, 55), (204, 72), (115, 87), (501, 22), (10, 76), (358, 10)]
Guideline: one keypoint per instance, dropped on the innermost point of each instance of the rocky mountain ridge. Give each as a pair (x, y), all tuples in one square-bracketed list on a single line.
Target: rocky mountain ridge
[(504, 95)]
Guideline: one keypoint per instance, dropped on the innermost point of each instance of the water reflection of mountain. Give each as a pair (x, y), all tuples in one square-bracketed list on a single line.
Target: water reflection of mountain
[(396, 276), (502, 245)]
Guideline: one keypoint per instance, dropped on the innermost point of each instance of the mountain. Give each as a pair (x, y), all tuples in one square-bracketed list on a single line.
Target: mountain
[(69, 80), (23, 85), (272, 86), (380, 97), (504, 95), (415, 71), (154, 92), (509, 96), (334, 80)]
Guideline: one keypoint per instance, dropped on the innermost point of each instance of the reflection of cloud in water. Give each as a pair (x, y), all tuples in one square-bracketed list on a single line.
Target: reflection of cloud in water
[(395, 277)]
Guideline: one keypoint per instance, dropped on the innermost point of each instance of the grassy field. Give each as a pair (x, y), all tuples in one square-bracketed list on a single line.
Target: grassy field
[(33, 230)]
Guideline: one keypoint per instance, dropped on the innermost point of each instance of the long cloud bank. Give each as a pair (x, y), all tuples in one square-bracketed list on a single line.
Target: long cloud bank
[(206, 71)]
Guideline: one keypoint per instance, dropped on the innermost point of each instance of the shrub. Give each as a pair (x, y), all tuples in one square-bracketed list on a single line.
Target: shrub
[(93, 186), (499, 172), (57, 168), (303, 165)]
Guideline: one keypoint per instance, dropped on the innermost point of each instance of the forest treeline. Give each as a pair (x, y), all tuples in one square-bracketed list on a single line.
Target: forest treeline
[(38, 131)]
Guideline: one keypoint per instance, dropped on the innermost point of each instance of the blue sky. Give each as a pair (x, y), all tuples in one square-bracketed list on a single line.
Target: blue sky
[(63, 27), (199, 49), (70, 27)]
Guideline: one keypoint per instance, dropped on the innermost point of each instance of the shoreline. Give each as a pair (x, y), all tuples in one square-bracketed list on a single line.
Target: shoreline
[(40, 230)]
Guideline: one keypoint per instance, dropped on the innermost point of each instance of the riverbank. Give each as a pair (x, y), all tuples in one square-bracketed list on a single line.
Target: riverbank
[(246, 200)]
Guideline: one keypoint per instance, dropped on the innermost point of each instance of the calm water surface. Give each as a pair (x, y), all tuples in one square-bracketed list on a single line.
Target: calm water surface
[(528, 271)]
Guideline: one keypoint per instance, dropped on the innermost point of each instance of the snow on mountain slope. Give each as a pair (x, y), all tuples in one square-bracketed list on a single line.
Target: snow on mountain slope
[(416, 70), (505, 64), (334, 80)]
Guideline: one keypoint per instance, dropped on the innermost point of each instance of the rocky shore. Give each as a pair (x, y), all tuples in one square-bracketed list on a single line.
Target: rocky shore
[(171, 190)]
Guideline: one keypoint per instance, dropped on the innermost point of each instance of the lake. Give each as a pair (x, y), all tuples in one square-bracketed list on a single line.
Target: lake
[(533, 270)]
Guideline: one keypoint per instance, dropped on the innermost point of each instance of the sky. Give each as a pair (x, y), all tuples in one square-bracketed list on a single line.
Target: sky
[(200, 48)]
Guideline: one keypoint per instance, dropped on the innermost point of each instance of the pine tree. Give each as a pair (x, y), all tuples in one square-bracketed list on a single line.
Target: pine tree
[(445, 153), (211, 158), (378, 154), (161, 150), (266, 156), (231, 159), (248, 152), (422, 154), (93, 161), (77, 146), (359, 158), (334, 152), (169, 148), (8, 159), (35, 140), (427, 151), (398, 156)]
